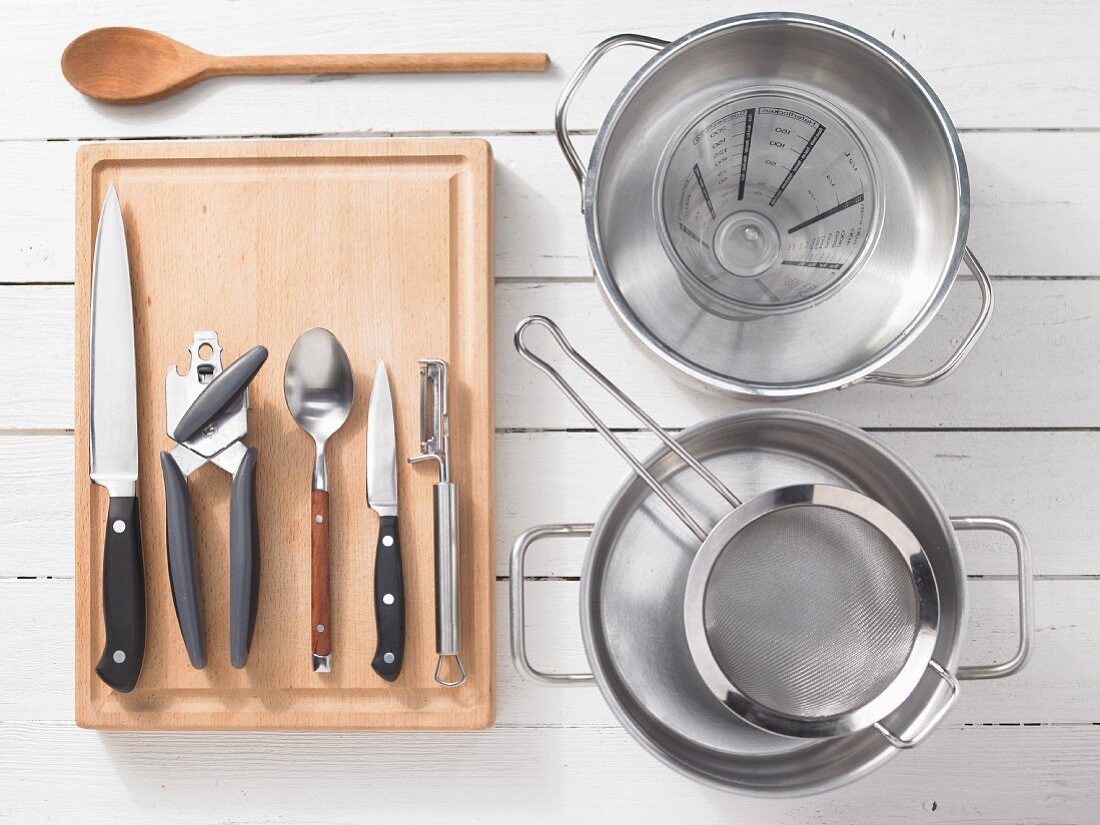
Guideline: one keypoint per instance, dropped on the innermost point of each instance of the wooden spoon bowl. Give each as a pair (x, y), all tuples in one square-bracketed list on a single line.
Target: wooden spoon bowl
[(127, 65)]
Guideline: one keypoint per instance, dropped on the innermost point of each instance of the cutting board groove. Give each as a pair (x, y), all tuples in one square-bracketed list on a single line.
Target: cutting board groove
[(387, 244)]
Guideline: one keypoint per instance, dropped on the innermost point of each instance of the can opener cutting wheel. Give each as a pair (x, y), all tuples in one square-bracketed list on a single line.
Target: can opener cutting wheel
[(207, 412), (435, 446)]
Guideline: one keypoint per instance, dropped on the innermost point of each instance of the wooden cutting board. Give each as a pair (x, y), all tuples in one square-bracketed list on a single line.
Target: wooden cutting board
[(387, 244)]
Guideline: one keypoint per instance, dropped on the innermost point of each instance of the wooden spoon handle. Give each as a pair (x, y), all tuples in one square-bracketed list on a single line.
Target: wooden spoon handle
[(380, 63), (319, 591)]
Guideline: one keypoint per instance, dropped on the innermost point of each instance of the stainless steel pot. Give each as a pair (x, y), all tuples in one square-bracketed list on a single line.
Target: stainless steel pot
[(776, 205), (632, 601)]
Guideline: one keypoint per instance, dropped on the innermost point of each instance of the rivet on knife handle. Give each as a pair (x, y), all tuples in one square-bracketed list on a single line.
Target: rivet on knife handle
[(389, 601), (434, 446), (123, 597)]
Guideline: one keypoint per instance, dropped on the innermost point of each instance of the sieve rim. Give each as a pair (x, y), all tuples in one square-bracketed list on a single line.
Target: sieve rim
[(899, 536)]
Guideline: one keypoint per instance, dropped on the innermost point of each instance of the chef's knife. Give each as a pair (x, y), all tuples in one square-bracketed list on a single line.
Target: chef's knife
[(389, 588), (114, 450)]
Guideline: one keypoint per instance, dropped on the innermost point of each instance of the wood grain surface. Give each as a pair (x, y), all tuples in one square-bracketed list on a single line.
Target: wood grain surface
[(385, 244)]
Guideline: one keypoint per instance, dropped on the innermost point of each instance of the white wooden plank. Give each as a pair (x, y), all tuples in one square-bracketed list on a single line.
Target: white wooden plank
[(546, 478), (1036, 365), (36, 522), (990, 774), (38, 332), (555, 477), (1012, 65), (1030, 208), (1057, 686)]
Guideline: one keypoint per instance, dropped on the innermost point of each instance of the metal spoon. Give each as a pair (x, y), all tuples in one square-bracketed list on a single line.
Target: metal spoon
[(319, 391)]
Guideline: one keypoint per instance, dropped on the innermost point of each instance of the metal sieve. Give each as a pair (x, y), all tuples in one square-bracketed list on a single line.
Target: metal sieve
[(810, 610)]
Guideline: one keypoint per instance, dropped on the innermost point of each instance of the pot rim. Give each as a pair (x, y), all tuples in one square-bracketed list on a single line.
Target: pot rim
[(727, 384)]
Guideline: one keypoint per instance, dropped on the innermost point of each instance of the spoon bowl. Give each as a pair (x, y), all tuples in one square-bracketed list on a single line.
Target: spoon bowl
[(319, 390), (127, 65)]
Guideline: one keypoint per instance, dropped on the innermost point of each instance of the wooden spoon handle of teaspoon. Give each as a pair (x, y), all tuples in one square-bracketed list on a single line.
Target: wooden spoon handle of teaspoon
[(319, 591)]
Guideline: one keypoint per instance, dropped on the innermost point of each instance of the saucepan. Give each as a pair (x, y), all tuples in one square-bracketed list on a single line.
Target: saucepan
[(776, 205), (636, 601)]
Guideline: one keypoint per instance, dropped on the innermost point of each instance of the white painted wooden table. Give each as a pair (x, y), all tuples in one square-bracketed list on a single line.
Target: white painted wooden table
[(1016, 431)]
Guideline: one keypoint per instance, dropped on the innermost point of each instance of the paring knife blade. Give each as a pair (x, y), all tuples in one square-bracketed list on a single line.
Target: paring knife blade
[(114, 449), (389, 588)]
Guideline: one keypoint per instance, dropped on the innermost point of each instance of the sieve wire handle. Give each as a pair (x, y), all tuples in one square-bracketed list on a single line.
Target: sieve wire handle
[(968, 342), (567, 94), (519, 620), (1025, 595), (937, 717), (612, 390)]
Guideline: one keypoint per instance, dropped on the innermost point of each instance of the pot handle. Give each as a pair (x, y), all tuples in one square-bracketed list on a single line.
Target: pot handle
[(1026, 596), (515, 573), (968, 342), (562, 110), (903, 743), (994, 671)]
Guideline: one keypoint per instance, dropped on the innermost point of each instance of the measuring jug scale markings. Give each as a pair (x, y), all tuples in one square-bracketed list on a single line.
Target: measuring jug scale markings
[(767, 201)]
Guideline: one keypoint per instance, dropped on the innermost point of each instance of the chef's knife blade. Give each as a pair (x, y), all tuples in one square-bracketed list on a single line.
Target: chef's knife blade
[(389, 588), (114, 449)]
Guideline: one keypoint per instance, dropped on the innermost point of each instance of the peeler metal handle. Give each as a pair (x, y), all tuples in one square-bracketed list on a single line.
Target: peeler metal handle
[(448, 628)]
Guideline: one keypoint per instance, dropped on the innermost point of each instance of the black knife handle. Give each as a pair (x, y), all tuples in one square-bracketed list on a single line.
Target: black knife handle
[(123, 597), (389, 601)]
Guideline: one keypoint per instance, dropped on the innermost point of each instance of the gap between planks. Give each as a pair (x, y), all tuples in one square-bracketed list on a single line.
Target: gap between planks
[(476, 133)]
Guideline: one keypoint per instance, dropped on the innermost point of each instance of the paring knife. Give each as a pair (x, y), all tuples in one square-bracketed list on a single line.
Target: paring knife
[(389, 587), (114, 450)]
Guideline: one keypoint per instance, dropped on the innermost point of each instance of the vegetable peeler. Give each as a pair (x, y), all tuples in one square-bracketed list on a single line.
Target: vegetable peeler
[(434, 446)]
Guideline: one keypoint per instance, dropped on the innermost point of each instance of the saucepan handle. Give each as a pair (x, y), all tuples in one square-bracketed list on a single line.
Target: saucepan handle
[(519, 625), (994, 671), (906, 742), (562, 111), (967, 344), (1025, 596)]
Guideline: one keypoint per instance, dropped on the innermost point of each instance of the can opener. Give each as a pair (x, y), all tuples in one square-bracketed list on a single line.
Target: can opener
[(207, 417)]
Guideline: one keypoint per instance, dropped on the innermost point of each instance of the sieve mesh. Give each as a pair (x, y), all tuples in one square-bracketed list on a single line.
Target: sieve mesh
[(810, 611)]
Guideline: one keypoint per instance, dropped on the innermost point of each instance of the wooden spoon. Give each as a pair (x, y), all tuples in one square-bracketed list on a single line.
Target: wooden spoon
[(126, 65)]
